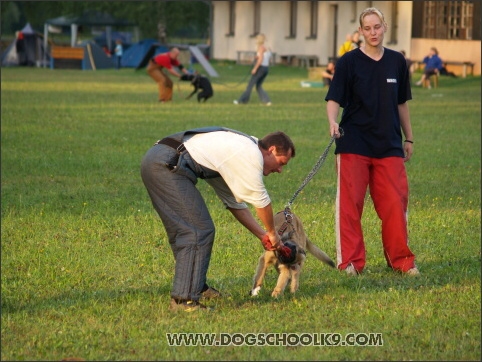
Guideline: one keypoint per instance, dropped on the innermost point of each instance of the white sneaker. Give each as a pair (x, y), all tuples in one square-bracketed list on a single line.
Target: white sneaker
[(235, 102), (268, 104), (412, 272), (350, 270)]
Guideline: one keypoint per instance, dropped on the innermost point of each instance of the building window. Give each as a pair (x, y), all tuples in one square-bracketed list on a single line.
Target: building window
[(231, 18), (257, 17), (354, 13), (292, 19), (394, 23), (448, 20), (313, 19)]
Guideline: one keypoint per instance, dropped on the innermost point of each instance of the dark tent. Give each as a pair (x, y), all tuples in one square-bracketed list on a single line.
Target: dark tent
[(135, 54), (95, 57), (27, 51)]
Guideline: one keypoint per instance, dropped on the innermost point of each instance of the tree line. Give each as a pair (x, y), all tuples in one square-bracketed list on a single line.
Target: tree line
[(185, 19)]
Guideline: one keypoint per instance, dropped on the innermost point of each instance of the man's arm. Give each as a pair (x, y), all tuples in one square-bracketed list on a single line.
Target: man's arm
[(265, 214)]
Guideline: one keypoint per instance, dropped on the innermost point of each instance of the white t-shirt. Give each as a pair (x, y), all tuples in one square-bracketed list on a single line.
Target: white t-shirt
[(239, 162)]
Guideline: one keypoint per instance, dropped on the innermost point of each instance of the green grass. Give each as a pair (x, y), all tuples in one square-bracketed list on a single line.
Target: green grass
[(86, 268)]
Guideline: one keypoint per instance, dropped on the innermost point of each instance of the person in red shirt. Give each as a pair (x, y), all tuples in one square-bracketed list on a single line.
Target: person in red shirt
[(156, 67)]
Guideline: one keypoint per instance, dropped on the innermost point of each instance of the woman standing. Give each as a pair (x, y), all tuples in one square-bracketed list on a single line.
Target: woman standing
[(258, 74), (372, 85)]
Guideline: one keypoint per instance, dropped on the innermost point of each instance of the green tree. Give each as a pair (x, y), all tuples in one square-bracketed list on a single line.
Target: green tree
[(188, 19)]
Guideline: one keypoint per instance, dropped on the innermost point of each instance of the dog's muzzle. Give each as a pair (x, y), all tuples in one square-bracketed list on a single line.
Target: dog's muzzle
[(287, 260)]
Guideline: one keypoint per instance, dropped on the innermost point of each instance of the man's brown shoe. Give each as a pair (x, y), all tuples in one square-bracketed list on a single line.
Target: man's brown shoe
[(188, 306), (210, 293)]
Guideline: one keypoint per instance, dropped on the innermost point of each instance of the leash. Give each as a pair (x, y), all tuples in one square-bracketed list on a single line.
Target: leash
[(314, 170), (243, 81)]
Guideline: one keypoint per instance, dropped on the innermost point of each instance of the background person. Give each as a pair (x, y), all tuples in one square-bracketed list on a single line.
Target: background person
[(156, 67), (20, 48), (409, 65), (371, 84), (328, 73), (356, 42), (346, 46), (352, 41), (444, 71), (118, 53), (433, 65), (258, 74), (234, 164)]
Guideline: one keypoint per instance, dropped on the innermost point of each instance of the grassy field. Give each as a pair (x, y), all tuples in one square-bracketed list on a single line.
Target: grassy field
[(86, 269)]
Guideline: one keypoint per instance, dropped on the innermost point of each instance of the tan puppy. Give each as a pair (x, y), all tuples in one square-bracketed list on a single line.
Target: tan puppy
[(294, 232)]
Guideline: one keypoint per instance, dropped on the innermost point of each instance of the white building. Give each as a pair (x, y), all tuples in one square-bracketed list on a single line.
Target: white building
[(318, 28)]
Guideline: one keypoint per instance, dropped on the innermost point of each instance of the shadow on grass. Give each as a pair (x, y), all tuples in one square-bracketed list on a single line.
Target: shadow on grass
[(80, 298), (236, 289)]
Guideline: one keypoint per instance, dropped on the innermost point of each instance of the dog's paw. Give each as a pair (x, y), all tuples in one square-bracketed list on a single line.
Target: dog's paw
[(254, 292), (275, 294)]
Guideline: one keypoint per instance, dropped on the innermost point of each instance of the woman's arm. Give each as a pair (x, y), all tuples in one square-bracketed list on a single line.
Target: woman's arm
[(259, 59)]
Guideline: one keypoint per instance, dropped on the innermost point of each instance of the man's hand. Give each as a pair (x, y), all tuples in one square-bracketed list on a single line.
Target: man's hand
[(267, 243)]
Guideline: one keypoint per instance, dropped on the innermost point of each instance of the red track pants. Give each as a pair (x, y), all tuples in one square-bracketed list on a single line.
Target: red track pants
[(388, 185)]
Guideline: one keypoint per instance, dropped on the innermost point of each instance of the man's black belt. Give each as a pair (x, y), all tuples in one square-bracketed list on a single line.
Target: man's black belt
[(171, 142)]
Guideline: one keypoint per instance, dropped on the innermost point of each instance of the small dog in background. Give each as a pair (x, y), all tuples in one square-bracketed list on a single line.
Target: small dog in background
[(294, 236), (199, 82)]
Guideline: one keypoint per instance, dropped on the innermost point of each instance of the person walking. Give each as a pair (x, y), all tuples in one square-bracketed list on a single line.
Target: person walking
[(258, 74), (156, 67), (371, 152), (234, 164)]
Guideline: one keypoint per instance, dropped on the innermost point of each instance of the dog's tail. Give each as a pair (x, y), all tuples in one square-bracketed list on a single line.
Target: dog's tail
[(319, 254)]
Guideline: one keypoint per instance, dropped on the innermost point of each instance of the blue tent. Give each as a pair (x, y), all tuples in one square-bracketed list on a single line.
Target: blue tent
[(135, 54)]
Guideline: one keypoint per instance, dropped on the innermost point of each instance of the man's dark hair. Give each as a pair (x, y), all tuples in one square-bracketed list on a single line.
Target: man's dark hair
[(280, 140)]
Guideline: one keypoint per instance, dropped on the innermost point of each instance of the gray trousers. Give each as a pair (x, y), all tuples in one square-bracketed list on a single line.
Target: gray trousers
[(184, 214), (256, 80)]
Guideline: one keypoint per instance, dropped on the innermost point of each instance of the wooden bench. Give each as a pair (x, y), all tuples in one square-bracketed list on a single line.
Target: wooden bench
[(467, 67), (248, 56), (66, 57), (67, 53), (305, 61)]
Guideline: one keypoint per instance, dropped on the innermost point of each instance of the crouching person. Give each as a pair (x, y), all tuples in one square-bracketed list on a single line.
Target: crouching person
[(234, 164)]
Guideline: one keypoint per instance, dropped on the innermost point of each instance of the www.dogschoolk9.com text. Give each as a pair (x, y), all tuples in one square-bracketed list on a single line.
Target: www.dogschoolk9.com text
[(275, 339)]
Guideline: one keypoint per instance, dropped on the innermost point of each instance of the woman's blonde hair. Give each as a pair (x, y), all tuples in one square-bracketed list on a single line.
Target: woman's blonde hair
[(260, 38), (372, 11)]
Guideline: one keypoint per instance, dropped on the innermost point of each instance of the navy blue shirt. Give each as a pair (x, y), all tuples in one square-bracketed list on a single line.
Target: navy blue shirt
[(369, 92)]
